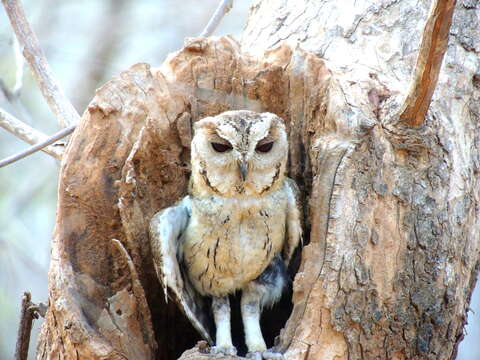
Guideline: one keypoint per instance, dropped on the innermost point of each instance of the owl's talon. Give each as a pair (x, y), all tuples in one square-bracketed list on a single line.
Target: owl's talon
[(223, 350)]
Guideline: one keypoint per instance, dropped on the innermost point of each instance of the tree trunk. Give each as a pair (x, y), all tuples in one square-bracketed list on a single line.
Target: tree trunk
[(390, 190), (400, 249)]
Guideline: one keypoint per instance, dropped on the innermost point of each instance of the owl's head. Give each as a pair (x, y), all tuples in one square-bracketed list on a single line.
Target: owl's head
[(238, 153)]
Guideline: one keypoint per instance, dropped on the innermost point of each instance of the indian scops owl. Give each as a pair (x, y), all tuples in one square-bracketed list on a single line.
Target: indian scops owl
[(235, 230)]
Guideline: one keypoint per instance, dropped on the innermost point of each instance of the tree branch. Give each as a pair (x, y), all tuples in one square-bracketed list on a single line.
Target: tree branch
[(24, 329), (429, 61), (223, 7), (57, 136), (29, 312), (26, 133), (51, 90)]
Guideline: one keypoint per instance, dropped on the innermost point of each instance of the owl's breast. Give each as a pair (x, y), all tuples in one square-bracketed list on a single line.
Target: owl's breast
[(229, 242)]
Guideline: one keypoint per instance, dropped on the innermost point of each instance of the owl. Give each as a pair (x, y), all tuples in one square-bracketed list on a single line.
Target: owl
[(236, 230)]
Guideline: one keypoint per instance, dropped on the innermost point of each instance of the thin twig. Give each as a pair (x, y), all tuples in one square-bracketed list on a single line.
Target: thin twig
[(223, 7), (429, 61), (137, 290), (27, 133), (24, 329), (57, 136), (51, 90)]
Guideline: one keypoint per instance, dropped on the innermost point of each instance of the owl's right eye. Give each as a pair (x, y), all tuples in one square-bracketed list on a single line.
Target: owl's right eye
[(221, 147)]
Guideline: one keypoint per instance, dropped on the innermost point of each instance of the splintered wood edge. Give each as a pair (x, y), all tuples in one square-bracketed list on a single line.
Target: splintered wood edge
[(138, 291), (429, 61)]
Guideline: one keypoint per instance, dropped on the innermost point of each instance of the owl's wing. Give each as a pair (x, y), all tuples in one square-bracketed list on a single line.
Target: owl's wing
[(294, 222), (166, 228)]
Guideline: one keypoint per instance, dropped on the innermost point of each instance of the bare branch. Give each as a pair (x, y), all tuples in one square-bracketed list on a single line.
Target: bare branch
[(29, 312), (24, 329), (57, 136), (223, 7), (429, 61), (51, 90), (27, 133)]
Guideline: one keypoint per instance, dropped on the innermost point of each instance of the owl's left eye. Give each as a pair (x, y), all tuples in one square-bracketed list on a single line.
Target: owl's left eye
[(264, 148), (221, 147)]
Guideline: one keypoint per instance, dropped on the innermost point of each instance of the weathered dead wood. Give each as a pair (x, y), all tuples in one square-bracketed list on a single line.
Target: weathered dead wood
[(429, 60), (29, 312), (24, 328), (139, 293), (389, 284)]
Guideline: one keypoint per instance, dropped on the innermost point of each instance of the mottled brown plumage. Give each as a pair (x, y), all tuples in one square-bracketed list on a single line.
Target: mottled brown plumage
[(242, 215)]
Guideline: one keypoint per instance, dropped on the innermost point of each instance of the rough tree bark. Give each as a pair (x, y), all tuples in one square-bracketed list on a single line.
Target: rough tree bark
[(391, 197)]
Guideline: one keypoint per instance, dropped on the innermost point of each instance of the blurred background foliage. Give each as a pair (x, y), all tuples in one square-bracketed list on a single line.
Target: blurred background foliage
[(86, 43)]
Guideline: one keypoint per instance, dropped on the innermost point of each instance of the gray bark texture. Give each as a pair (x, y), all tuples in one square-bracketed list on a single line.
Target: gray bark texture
[(400, 247), (384, 145)]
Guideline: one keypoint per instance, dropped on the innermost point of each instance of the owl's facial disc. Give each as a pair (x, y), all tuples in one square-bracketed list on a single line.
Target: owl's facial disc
[(239, 153)]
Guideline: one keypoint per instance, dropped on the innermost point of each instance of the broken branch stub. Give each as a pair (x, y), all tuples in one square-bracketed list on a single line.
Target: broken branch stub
[(429, 61), (24, 328)]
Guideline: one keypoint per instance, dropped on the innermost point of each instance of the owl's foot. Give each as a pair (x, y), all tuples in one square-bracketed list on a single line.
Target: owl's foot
[(223, 350), (265, 355)]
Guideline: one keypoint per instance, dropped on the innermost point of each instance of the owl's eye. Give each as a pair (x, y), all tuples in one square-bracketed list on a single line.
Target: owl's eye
[(221, 147), (264, 148)]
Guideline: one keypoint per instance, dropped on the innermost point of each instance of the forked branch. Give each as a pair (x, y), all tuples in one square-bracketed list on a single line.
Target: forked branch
[(429, 61), (57, 136), (51, 90)]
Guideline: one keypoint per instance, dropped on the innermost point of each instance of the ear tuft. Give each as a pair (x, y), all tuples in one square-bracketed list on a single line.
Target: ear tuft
[(207, 123)]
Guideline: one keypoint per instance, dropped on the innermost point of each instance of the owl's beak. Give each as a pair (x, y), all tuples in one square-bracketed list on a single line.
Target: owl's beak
[(243, 168)]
